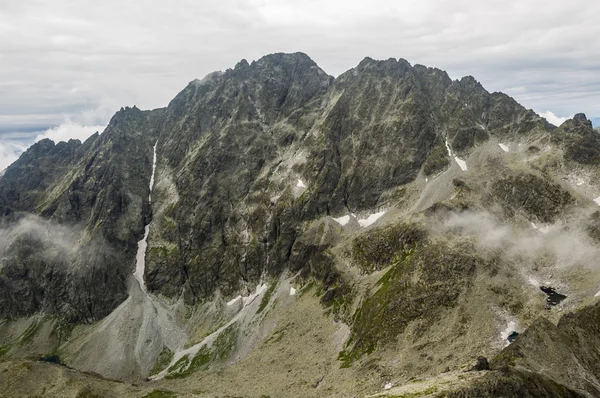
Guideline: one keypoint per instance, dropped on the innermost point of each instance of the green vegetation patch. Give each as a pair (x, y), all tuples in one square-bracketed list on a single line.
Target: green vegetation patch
[(276, 336), (5, 348), (62, 329), (31, 331), (533, 195), (86, 392), (160, 394), (180, 365), (418, 287), (266, 298), (382, 247), (225, 343), (162, 361), (163, 255), (222, 348), (185, 367)]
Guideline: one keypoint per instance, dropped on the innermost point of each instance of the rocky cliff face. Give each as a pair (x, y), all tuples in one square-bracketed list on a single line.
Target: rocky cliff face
[(273, 144), (272, 174), (97, 194)]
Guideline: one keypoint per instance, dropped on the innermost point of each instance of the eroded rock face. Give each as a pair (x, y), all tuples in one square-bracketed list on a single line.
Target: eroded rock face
[(532, 195), (234, 141), (96, 195), (246, 159), (253, 160), (562, 358), (580, 140)]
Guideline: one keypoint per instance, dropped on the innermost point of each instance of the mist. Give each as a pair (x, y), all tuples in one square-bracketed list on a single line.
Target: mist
[(564, 245)]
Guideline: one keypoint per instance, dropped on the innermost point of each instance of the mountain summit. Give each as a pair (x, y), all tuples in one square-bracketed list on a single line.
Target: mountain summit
[(302, 235)]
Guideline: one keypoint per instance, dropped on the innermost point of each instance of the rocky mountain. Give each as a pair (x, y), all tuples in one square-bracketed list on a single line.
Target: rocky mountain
[(299, 234)]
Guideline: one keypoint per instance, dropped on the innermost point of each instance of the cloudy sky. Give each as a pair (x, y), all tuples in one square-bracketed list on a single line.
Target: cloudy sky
[(67, 66)]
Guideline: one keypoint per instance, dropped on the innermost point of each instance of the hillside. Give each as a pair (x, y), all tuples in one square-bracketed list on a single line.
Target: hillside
[(300, 235)]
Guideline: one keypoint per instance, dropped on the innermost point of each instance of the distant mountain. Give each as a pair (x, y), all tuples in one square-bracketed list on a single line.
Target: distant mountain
[(310, 236), (595, 121)]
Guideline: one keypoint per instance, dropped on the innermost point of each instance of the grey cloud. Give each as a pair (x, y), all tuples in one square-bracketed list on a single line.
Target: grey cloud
[(566, 244), (85, 60)]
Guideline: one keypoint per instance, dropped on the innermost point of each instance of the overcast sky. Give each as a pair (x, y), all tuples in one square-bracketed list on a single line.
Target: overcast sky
[(69, 65)]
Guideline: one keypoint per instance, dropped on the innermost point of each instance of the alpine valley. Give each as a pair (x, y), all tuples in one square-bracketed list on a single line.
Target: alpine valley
[(277, 232)]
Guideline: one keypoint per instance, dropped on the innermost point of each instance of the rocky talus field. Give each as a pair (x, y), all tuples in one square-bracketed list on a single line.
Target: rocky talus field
[(278, 232)]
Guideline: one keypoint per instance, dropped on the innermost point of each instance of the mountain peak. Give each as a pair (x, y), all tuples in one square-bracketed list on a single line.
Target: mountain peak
[(272, 176), (242, 64), (581, 118), (285, 59)]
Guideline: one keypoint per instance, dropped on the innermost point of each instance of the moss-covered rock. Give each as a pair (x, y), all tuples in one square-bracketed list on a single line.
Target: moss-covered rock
[(535, 196), (426, 281), (162, 361), (513, 383), (437, 160), (160, 394), (592, 226), (567, 353), (381, 247), (580, 140), (466, 138)]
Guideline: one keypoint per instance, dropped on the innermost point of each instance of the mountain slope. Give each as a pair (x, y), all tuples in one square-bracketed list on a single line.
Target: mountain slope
[(395, 221)]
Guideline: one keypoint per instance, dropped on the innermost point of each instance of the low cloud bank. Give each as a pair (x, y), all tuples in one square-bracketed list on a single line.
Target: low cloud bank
[(69, 130), (566, 246), (552, 118), (10, 150)]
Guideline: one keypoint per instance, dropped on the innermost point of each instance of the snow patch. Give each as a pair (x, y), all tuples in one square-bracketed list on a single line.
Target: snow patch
[(342, 220), (461, 163), (579, 179), (300, 184), (233, 301), (248, 299), (504, 147), (510, 327), (275, 198), (259, 290), (533, 282), (543, 229), (597, 294), (292, 291), (208, 340), (151, 185), (597, 200), (388, 386), (371, 219), (140, 257), (448, 149)]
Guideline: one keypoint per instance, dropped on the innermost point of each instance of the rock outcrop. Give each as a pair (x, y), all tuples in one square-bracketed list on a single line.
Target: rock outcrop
[(273, 172)]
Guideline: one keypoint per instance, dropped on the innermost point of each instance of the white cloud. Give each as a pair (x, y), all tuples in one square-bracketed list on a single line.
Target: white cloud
[(9, 152), (552, 118), (69, 130)]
